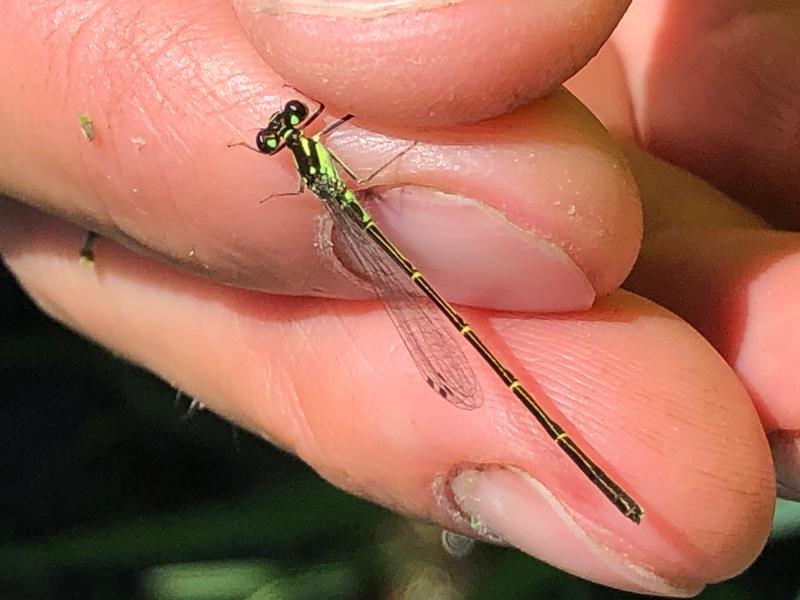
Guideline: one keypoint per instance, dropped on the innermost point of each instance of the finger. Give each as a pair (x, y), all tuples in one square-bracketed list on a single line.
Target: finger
[(733, 279), (329, 380), (423, 63), (544, 187), (747, 282), (714, 88), (739, 287)]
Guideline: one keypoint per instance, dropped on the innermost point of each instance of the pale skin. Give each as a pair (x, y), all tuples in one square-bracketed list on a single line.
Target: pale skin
[(688, 429)]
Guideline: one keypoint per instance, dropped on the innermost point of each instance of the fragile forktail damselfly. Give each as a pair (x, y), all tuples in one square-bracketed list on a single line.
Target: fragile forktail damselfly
[(399, 283)]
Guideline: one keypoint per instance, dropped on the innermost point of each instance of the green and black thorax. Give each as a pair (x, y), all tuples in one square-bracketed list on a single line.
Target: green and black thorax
[(315, 165), (314, 162)]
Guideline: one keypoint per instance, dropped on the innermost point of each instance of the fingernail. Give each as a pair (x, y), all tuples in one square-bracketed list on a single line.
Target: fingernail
[(785, 447), (509, 504), (367, 9), (474, 255)]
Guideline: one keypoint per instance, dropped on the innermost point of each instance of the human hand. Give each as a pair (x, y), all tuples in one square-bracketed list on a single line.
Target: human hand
[(541, 197)]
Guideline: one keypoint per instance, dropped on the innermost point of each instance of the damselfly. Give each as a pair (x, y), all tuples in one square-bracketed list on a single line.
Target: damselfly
[(399, 283)]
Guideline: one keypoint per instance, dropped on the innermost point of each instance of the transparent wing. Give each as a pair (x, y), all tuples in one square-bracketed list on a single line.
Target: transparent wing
[(424, 330)]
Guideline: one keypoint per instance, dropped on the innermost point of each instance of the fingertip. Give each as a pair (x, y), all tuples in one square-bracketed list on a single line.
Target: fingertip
[(438, 65), (547, 174), (739, 287)]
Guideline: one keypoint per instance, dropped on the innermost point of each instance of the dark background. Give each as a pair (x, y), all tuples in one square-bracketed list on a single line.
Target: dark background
[(111, 487)]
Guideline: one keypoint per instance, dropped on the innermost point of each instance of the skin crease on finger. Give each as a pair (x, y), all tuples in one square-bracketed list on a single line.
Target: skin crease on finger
[(182, 85), (429, 68), (646, 392)]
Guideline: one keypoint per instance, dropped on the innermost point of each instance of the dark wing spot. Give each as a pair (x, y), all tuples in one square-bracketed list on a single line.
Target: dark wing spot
[(442, 390)]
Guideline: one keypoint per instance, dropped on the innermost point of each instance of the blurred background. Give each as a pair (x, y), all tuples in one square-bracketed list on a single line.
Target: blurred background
[(112, 487)]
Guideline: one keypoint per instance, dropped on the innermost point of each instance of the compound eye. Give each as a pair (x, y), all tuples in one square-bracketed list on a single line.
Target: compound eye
[(267, 142), (295, 112)]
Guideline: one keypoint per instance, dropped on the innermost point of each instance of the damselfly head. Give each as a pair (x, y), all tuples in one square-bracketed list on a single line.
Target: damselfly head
[(282, 125), (270, 139)]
